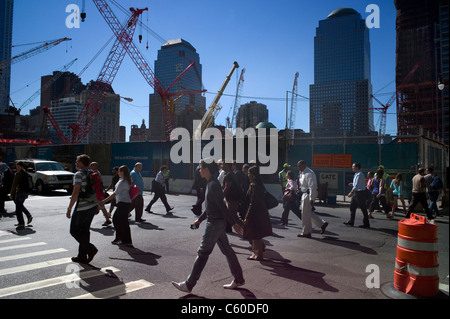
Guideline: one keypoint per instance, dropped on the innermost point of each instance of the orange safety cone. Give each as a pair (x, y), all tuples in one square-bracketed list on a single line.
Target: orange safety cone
[(416, 265)]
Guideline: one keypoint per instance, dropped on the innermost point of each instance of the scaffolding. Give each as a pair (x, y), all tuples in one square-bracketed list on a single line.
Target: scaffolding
[(418, 102)]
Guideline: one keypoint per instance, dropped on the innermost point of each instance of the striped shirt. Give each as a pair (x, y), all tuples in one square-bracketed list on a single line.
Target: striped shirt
[(80, 178)]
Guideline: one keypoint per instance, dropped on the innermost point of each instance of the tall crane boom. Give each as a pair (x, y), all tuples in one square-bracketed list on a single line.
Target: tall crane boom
[(293, 106), (145, 69), (47, 84), (214, 108), (237, 99), (107, 74), (32, 52), (384, 107)]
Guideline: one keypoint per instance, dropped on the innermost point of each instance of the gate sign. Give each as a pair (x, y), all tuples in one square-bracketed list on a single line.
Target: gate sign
[(330, 178)]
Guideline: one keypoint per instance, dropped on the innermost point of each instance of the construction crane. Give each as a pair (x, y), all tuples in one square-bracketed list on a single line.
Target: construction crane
[(293, 107), (32, 52), (214, 108), (384, 107), (232, 123), (47, 45), (144, 67), (48, 84), (107, 74)]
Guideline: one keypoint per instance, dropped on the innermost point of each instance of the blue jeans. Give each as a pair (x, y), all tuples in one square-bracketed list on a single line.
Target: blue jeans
[(214, 233), (433, 199)]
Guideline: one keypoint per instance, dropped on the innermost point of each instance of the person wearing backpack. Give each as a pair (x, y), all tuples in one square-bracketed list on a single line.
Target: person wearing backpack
[(19, 193), (84, 199), (434, 184)]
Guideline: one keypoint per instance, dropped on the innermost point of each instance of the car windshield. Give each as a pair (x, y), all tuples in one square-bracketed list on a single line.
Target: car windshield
[(50, 166)]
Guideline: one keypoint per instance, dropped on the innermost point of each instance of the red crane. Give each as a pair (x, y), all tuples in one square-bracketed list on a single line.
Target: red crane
[(107, 74), (146, 71), (384, 107)]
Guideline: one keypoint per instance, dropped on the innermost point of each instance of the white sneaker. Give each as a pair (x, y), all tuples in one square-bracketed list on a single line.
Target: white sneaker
[(233, 285), (181, 286)]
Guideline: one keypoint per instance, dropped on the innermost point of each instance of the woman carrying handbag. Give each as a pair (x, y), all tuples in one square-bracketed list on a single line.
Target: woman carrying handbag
[(257, 223), (290, 197)]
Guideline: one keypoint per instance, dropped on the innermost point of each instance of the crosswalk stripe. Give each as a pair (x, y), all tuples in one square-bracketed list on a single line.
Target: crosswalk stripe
[(22, 246), (44, 264), (116, 290), (54, 281), (33, 254), (5, 233), (14, 239)]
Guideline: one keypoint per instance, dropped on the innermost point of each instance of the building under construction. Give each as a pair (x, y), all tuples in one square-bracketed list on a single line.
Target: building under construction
[(422, 38)]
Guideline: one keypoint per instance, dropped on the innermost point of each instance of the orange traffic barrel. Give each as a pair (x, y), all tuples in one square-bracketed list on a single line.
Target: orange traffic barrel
[(416, 265)]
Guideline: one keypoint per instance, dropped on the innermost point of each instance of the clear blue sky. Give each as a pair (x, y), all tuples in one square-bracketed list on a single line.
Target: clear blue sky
[(271, 39)]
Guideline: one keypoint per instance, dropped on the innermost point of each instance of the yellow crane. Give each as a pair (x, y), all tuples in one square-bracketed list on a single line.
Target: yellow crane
[(214, 108)]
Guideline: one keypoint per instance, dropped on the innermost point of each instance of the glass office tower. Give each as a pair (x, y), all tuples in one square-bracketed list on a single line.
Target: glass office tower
[(340, 96), (173, 58), (6, 24)]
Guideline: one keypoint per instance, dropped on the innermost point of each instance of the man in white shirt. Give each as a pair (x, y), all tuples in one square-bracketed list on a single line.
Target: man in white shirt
[(308, 185)]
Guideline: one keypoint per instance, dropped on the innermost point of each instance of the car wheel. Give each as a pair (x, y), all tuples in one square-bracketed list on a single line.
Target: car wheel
[(40, 187)]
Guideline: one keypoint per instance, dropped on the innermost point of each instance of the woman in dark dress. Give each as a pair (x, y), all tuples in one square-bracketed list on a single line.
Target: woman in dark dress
[(257, 224)]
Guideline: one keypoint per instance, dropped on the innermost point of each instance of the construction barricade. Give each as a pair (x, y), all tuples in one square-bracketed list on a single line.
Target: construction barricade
[(416, 265)]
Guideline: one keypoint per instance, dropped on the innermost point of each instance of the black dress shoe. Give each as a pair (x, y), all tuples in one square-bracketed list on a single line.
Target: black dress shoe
[(324, 226), (364, 226), (349, 223), (91, 255), (304, 235), (79, 260)]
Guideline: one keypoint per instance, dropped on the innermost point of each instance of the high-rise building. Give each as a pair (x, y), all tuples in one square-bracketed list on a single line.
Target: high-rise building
[(173, 58), (251, 114), (422, 37), (105, 128), (66, 84), (65, 111), (340, 96), (6, 25)]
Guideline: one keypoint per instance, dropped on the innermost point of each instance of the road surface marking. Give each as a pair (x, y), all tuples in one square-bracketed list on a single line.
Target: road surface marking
[(22, 246), (55, 281), (34, 254), (14, 239), (117, 290), (44, 264)]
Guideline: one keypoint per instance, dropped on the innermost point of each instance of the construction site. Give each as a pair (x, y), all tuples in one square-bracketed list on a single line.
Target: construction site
[(422, 107)]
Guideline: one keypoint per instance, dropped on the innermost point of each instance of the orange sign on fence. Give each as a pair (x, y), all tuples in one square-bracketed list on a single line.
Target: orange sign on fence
[(332, 160)]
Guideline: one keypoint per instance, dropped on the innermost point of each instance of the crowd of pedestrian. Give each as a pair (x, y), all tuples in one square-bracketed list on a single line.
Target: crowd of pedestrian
[(233, 197)]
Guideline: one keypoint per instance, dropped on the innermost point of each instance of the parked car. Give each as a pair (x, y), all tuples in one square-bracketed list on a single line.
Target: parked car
[(48, 175)]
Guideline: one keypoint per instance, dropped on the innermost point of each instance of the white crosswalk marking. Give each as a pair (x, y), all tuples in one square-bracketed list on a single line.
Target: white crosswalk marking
[(49, 263), (13, 240), (117, 290), (33, 254), (10, 245), (22, 246), (54, 281)]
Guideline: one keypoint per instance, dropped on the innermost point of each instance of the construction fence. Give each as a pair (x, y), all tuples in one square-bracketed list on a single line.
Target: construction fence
[(331, 162)]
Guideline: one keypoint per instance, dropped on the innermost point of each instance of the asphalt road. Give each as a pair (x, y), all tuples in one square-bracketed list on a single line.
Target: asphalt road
[(343, 263)]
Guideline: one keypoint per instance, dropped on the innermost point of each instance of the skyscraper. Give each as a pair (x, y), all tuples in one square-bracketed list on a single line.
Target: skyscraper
[(340, 96), (173, 58), (251, 114), (6, 24), (422, 37)]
